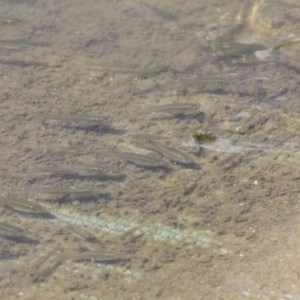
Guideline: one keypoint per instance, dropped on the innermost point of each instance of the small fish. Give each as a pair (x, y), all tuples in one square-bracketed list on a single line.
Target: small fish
[(10, 20), (44, 258), (286, 43), (22, 205), (225, 161), (232, 48), (81, 231), (198, 83), (162, 13), (286, 4), (185, 46), (114, 67), (24, 63), (184, 185), (81, 170), (207, 80), (129, 232), (10, 230), (65, 191), (148, 137), (60, 150), (12, 46), (241, 126), (97, 256), (85, 119), (137, 159), (20, 45), (174, 108), (168, 152), (146, 74)]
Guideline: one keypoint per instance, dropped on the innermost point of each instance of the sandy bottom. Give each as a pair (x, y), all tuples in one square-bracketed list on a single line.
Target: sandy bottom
[(225, 225)]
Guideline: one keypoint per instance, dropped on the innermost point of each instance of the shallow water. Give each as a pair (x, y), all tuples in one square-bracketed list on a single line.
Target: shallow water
[(225, 225)]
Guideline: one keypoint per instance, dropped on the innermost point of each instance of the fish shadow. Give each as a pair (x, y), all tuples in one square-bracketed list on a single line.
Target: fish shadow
[(165, 169), (101, 129), (6, 255), (191, 165), (91, 198), (40, 215), (21, 239), (93, 177)]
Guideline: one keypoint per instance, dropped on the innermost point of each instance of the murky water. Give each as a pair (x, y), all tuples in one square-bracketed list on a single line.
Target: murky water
[(149, 149)]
